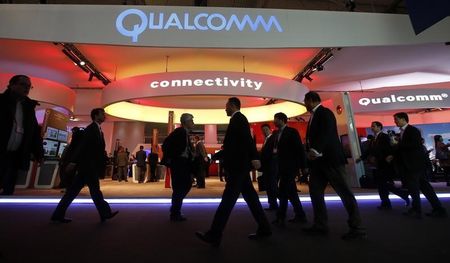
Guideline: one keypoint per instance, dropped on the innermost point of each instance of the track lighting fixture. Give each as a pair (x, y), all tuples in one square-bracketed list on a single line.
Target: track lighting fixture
[(316, 64), (81, 61)]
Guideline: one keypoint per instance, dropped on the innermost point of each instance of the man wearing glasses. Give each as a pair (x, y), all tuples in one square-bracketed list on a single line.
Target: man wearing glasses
[(20, 139)]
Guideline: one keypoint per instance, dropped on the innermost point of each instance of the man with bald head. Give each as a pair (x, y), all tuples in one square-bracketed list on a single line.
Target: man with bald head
[(20, 139), (178, 155)]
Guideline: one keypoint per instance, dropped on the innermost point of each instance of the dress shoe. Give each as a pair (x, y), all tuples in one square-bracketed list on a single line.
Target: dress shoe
[(177, 218), (384, 207), (354, 234), (298, 219), (111, 215), (438, 213), (60, 219), (315, 230), (208, 238), (279, 222), (413, 214), (260, 235)]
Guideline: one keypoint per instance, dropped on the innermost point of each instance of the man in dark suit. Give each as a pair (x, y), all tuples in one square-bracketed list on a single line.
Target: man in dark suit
[(90, 161), (326, 159), (239, 153), (268, 168), (20, 139), (410, 157), (178, 155), (153, 159), (141, 157), (289, 160), (379, 150)]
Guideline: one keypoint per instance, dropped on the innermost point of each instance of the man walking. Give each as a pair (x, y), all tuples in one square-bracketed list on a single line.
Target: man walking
[(379, 150), (410, 157), (178, 155), (289, 160), (327, 160), (268, 168), (90, 160), (240, 156)]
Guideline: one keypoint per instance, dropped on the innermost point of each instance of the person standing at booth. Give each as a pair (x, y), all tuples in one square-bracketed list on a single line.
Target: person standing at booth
[(178, 155), (90, 160), (326, 160), (20, 139), (240, 157), (201, 160), (443, 155), (122, 164), (153, 159), (141, 164), (410, 156)]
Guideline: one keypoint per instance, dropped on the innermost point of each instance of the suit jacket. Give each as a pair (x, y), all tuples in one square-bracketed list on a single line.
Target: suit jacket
[(238, 146), (410, 153), (380, 149), (175, 144), (31, 140), (266, 154), (200, 151), (290, 151), (90, 154), (322, 136), (153, 158), (141, 157)]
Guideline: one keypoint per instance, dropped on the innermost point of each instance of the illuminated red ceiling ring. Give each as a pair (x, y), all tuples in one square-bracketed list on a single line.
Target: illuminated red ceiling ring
[(48, 92)]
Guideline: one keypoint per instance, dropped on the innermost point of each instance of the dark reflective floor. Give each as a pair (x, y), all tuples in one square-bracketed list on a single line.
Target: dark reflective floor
[(143, 233)]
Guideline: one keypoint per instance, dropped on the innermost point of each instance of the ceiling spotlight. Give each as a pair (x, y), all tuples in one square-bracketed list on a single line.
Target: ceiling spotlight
[(82, 63), (309, 78), (91, 75)]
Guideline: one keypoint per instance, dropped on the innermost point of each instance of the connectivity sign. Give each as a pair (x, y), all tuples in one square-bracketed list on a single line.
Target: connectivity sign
[(203, 21), (403, 99)]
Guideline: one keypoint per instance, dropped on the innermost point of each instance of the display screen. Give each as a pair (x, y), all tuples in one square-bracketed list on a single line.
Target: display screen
[(51, 133), (63, 135), (62, 146), (50, 148)]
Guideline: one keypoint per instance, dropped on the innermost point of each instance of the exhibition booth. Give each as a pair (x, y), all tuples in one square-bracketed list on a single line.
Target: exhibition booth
[(157, 62)]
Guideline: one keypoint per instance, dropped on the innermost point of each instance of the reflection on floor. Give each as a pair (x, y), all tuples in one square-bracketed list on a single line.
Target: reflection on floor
[(214, 188)]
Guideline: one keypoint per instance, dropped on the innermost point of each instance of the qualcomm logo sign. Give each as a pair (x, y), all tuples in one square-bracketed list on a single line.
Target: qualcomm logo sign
[(401, 99), (188, 21)]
